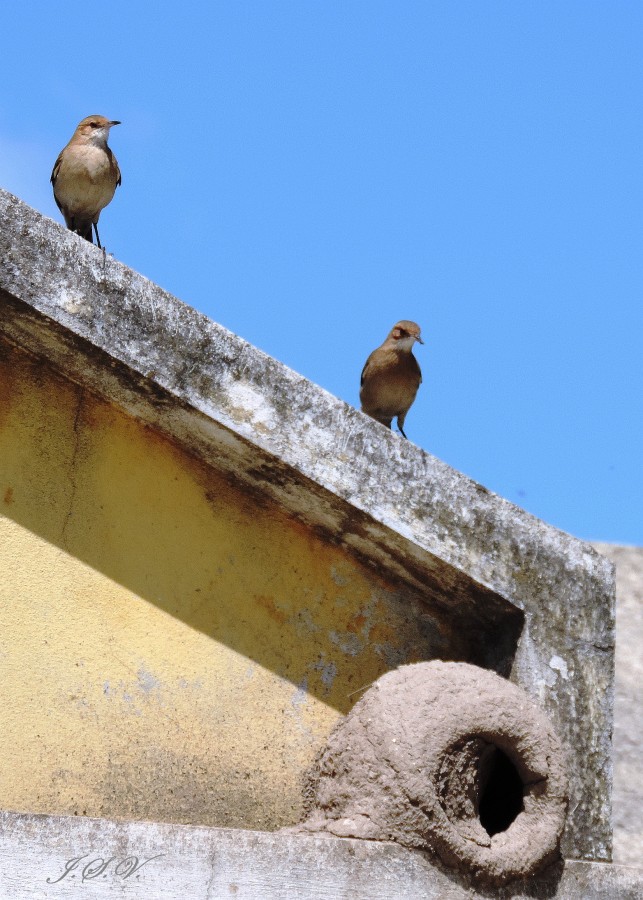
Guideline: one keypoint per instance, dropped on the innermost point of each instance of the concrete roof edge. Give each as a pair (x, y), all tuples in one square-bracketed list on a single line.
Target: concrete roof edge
[(280, 413)]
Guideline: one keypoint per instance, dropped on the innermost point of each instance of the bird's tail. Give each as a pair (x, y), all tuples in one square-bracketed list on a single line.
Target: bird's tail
[(83, 227)]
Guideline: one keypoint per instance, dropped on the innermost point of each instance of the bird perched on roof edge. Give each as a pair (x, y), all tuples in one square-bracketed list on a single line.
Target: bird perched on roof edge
[(85, 176), (392, 376)]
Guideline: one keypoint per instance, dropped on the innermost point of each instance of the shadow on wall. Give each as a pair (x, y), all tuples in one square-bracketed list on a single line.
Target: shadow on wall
[(124, 500)]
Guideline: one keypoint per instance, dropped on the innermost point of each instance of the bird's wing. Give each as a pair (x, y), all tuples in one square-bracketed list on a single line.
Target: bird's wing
[(418, 369), (364, 370), (54, 176), (114, 165), (56, 169)]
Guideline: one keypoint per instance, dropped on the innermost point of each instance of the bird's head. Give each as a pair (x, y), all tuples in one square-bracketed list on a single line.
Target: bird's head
[(95, 129), (404, 335)]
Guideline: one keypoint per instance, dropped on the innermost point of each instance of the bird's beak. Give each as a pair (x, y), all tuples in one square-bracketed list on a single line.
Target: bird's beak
[(114, 123), (419, 339)]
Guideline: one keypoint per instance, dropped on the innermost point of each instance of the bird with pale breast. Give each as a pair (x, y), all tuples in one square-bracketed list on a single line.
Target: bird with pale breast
[(392, 376), (85, 176)]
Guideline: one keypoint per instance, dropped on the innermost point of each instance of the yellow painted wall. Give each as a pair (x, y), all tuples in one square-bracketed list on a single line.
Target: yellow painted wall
[(169, 649)]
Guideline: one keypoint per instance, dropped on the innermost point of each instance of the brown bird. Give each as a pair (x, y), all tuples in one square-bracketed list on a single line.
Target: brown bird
[(85, 176), (392, 376)]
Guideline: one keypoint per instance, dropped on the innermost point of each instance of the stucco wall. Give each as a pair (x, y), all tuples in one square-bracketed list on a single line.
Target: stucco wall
[(170, 648)]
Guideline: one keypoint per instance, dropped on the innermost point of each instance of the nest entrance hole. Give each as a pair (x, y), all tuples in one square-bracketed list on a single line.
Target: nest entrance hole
[(501, 792)]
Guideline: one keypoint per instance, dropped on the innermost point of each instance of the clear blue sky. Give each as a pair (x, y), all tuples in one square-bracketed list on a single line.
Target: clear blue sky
[(308, 172)]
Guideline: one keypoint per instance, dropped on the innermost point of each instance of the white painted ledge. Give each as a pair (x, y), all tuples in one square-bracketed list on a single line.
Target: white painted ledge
[(63, 857)]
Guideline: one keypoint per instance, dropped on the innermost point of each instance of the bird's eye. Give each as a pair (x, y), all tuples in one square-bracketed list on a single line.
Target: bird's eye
[(93, 124)]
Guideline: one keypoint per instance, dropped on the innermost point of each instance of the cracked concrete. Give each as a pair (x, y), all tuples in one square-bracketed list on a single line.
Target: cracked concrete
[(72, 466)]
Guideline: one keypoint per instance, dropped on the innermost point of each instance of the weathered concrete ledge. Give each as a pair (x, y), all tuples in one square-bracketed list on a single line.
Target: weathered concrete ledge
[(540, 601), (55, 856)]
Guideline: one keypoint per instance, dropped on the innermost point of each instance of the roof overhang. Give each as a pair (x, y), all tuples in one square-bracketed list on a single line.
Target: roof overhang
[(535, 594)]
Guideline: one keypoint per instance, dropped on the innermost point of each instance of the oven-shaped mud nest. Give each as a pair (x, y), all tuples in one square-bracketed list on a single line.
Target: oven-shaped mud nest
[(450, 758)]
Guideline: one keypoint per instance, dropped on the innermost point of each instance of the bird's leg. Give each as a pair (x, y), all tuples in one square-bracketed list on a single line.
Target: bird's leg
[(400, 425), (97, 238)]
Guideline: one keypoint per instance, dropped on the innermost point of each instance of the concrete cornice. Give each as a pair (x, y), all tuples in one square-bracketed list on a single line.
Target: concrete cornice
[(286, 440)]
